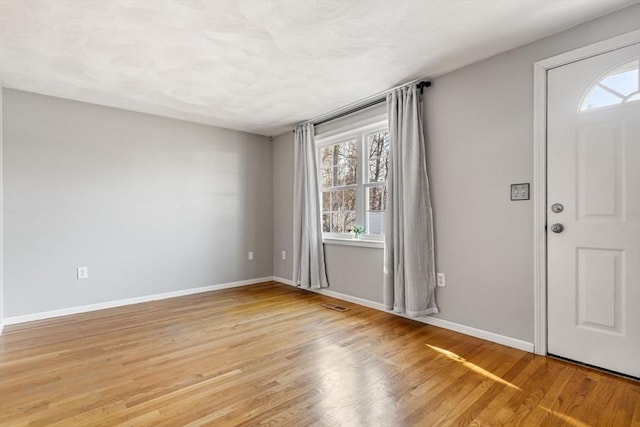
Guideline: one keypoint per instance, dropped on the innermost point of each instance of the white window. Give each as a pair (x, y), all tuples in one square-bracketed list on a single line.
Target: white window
[(353, 168), (619, 86)]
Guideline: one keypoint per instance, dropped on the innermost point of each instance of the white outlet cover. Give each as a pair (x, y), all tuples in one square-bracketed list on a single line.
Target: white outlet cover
[(441, 280), (83, 272), (250, 256), (284, 254)]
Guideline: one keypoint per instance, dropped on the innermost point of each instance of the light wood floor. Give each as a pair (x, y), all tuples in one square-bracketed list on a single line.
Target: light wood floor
[(270, 354)]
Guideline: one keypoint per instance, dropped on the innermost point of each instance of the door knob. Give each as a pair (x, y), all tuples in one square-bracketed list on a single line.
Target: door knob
[(557, 228)]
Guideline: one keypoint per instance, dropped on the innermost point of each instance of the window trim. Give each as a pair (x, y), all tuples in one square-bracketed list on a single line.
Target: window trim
[(359, 131), (366, 243)]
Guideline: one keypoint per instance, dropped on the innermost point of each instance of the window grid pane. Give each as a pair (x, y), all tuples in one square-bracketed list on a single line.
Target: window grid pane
[(376, 207), (338, 210), (339, 164), (378, 157), (375, 222), (377, 198), (344, 180)]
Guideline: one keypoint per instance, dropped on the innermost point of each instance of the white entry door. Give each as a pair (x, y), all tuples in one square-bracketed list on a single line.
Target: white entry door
[(593, 211)]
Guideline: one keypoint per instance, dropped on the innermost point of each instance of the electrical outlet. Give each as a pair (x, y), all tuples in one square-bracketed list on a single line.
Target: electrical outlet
[(441, 281), (284, 254), (83, 273), (250, 256)]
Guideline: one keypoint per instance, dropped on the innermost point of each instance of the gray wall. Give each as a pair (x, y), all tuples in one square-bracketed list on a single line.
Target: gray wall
[(283, 205), (1, 216), (479, 122), (351, 271), (148, 204)]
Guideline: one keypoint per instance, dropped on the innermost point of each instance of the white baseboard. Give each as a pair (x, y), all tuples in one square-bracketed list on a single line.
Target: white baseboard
[(118, 303), (441, 323), (336, 295), (285, 281), (478, 333), (463, 329)]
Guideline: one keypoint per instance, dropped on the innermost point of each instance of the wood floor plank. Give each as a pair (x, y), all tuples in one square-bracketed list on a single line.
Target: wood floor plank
[(270, 354)]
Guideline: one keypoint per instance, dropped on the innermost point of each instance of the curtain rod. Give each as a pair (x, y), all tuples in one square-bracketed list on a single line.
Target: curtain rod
[(370, 101)]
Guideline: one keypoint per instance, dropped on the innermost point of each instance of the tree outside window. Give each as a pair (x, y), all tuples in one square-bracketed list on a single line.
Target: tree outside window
[(353, 179)]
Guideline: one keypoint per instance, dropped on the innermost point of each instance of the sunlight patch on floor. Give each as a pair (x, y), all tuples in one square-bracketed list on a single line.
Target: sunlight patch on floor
[(472, 366), (566, 418)]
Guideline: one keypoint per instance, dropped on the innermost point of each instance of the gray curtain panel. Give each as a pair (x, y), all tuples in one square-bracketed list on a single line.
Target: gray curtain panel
[(308, 253), (409, 266)]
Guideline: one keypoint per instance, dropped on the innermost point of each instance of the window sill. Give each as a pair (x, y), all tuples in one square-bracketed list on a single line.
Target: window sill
[(364, 243)]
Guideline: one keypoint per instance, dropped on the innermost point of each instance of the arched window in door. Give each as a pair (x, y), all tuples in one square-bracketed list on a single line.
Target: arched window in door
[(618, 86)]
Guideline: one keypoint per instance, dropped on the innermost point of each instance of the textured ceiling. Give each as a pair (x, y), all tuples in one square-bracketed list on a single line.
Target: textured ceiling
[(258, 66)]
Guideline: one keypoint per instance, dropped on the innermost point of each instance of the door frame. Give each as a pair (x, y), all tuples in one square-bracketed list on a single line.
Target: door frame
[(540, 69)]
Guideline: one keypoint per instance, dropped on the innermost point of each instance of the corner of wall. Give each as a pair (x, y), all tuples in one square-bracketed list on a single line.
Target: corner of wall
[(283, 204), (1, 218)]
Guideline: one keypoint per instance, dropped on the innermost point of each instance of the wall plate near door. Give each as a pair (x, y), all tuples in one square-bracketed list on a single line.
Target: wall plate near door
[(520, 191)]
